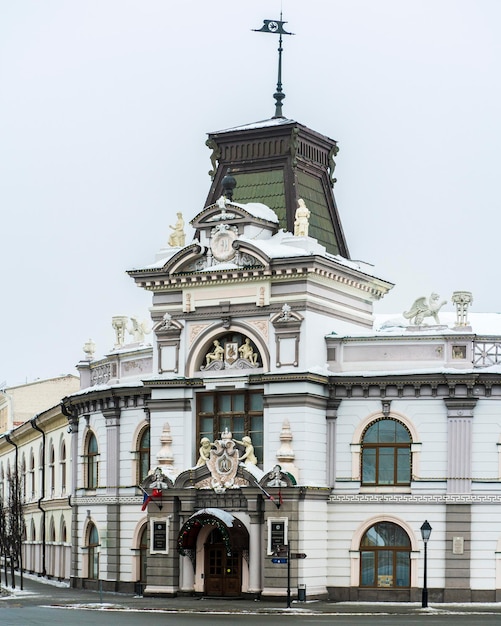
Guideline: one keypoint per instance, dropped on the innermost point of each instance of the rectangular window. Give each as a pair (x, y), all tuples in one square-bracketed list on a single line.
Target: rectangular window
[(241, 412), (367, 569), (369, 467), (403, 569), (403, 465), (387, 466)]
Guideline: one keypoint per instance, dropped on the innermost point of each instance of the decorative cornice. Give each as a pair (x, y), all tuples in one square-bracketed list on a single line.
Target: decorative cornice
[(293, 377), (402, 498), (106, 500), (170, 404), (174, 382), (290, 269), (428, 385), (304, 400), (106, 400)]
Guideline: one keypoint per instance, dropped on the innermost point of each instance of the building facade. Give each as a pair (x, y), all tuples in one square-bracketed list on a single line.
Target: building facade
[(273, 435), (39, 451), (20, 403)]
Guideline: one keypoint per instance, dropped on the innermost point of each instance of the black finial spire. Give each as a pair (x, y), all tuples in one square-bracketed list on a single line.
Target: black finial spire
[(272, 26), (229, 184)]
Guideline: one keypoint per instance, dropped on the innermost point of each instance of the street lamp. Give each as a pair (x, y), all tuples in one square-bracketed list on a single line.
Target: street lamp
[(425, 534)]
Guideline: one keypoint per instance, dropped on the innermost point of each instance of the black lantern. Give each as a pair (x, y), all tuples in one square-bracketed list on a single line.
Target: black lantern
[(425, 534)]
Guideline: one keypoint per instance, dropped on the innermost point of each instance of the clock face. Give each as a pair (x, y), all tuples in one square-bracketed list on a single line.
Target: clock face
[(221, 245), (272, 27)]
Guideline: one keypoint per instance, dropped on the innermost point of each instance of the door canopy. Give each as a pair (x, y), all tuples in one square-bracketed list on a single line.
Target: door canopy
[(233, 531)]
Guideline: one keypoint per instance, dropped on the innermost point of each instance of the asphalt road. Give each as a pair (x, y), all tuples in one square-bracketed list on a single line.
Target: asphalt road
[(47, 616), (48, 605)]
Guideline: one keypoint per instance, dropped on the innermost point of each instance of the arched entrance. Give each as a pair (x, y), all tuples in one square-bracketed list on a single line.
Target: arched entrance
[(219, 540), (223, 575)]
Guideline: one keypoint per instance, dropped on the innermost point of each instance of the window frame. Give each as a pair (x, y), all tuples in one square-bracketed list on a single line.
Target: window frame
[(253, 419), (143, 455), (92, 552), (91, 463), (377, 552), (379, 447)]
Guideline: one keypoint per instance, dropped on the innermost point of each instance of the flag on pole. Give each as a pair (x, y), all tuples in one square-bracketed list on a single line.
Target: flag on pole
[(146, 501), (270, 497), (274, 27), (147, 498)]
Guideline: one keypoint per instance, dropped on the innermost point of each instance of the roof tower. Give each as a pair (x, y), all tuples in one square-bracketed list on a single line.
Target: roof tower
[(278, 161)]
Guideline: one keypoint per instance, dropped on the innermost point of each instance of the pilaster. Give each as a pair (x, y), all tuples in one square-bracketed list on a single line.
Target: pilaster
[(459, 446)]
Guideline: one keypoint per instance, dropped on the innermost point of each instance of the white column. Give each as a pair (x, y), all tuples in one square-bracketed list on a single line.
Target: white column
[(255, 549), (187, 574)]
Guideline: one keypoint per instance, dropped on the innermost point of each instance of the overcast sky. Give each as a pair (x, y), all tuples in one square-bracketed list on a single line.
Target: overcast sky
[(104, 110)]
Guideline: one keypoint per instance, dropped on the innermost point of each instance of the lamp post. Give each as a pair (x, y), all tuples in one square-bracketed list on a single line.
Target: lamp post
[(425, 534)]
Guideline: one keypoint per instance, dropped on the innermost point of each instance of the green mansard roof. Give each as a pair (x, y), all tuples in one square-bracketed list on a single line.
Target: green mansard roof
[(277, 162)]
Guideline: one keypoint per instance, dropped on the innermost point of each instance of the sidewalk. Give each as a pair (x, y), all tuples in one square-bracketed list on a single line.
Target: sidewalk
[(39, 591)]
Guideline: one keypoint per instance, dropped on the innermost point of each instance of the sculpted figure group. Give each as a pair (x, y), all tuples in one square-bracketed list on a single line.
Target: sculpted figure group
[(248, 457), (245, 351)]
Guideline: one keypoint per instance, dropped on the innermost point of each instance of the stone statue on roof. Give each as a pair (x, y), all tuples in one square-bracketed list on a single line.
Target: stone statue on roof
[(301, 222), (424, 308), (138, 329), (177, 237)]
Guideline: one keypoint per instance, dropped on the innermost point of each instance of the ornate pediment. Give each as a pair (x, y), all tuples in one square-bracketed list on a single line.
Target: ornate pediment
[(226, 212)]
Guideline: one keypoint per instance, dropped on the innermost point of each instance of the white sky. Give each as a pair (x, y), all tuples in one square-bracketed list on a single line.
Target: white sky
[(104, 110)]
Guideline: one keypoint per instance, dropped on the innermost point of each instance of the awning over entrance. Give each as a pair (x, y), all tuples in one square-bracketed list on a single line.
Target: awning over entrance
[(233, 531)]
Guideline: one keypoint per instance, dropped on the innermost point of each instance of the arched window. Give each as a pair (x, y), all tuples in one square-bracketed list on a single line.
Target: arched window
[(8, 484), (23, 477), (64, 536), (143, 455), (52, 470), (91, 454), (385, 556), (52, 531), (41, 461), (143, 553), (63, 468), (32, 475), (386, 454), (93, 552)]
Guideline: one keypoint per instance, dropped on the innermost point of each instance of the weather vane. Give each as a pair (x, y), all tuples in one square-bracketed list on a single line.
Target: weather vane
[(274, 27)]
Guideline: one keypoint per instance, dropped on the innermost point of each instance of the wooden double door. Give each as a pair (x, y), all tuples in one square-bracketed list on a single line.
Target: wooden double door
[(223, 572)]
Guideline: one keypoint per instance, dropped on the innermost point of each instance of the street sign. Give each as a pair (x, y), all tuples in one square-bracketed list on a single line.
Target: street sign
[(298, 555), (279, 560)]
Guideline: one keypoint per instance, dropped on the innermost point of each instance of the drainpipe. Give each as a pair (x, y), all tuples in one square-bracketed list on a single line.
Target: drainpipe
[(42, 493), (9, 440)]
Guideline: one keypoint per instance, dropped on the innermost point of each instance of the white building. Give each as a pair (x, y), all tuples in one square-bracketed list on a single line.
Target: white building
[(263, 334)]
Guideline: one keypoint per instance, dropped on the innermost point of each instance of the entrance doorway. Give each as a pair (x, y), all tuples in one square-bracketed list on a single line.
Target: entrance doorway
[(223, 572)]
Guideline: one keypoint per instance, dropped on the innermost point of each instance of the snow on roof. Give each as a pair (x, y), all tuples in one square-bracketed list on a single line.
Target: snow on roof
[(162, 257), (273, 121), (259, 210), (106, 387), (480, 324), (391, 325), (283, 245)]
